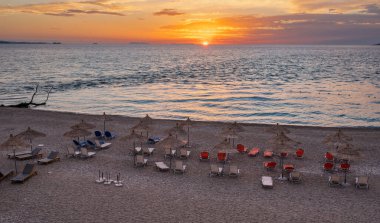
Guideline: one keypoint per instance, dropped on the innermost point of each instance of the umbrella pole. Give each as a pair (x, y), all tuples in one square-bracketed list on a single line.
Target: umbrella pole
[(14, 157), (188, 135), (31, 146)]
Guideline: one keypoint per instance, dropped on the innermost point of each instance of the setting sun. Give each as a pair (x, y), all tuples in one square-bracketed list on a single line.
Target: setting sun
[(205, 43)]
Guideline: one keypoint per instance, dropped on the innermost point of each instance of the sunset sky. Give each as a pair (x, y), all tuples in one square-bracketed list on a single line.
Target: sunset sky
[(190, 21)]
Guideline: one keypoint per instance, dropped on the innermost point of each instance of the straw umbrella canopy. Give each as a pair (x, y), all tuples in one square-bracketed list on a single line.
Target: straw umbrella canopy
[(347, 152), (171, 142), (142, 127), (225, 146), (337, 139), (30, 134), (282, 143), (14, 143), (235, 126), (133, 136), (278, 129), (76, 133), (83, 125), (147, 119), (177, 130), (106, 118)]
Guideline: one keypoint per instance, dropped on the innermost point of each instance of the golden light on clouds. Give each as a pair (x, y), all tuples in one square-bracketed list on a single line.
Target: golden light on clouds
[(187, 21)]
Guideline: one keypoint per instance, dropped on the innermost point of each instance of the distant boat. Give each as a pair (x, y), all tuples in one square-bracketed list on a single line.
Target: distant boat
[(56, 42), (94, 43), (138, 43)]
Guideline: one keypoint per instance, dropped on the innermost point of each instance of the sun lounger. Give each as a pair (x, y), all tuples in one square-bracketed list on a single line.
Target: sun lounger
[(12, 155), (184, 154), (52, 157), (299, 153), (34, 154), (108, 135), (267, 182), (71, 152), (204, 156), (85, 154), (329, 157), (254, 152), (29, 171), (328, 166), (91, 144), (154, 140), (288, 168), (283, 155), (335, 180), (5, 173), (270, 165), (215, 170), (362, 182), (79, 144), (241, 148), (234, 171), (179, 167), (169, 152), (98, 134), (140, 161), (222, 156), (295, 177), (148, 151), (102, 145), (161, 166), (268, 154)]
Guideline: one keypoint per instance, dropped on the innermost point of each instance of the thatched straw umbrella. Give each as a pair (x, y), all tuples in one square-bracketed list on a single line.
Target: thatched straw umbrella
[(13, 143), (278, 129), (83, 125), (337, 139), (177, 130), (76, 133), (30, 134), (105, 119)]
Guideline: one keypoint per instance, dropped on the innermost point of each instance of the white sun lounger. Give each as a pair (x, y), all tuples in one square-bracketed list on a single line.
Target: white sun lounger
[(234, 171), (140, 161), (179, 167), (215, 170), (184, 153), (161, 166), (267, 182), (86, 154), (148, 151), (362, 182), (105, 145)]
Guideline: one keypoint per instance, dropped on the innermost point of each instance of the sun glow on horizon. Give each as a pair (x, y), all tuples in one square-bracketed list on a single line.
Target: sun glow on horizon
[(205, 43)]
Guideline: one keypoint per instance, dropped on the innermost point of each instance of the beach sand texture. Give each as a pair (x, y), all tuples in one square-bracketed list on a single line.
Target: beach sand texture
[(66, 191)]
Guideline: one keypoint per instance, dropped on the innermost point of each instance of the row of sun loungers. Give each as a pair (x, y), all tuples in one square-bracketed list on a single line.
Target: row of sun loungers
[(182, 154), (215, 170), (24, 155), (83, 153)]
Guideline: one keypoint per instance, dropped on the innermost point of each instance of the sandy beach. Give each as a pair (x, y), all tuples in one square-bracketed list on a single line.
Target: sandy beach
[(66, 191)]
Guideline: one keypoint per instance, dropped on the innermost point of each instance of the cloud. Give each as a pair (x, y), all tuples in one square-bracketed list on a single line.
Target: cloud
[(168, 12), (372, 9), (68, 9), (283, 29)]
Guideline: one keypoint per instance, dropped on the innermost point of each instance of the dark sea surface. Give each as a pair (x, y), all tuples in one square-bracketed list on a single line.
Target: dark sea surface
[(298, 85)]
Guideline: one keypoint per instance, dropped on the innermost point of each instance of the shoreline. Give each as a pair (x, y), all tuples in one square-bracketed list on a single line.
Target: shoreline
[(66, 190), (375, 128)]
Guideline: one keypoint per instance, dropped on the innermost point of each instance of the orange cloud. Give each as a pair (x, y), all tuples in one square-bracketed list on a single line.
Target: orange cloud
[(169, 12)]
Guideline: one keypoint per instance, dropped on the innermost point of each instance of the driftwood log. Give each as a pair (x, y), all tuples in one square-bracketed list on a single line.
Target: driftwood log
[(31, 103)]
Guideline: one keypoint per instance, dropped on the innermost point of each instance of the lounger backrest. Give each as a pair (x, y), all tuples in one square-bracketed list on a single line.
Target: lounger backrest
[(222, 156), (178, 165), (84, 151), (35, 151), (328, 166), (108, 134), (214, 168), (329, 156), (52, 155), (345, 166), (240, 147), (335, 178), (76, 142), (70, 150), (28, 169), (167, 151), (139, 159), (204, 155), (363, 180), (296, 175), (233, 169), (300, 152), (272, 164), (183, 152), (90, 143), (98, 134)]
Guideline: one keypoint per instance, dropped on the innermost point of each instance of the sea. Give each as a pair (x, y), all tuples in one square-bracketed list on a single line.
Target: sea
[(334, 86)]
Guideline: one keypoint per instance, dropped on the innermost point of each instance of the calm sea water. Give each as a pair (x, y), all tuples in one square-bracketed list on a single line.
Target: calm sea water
[(299, 85)]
